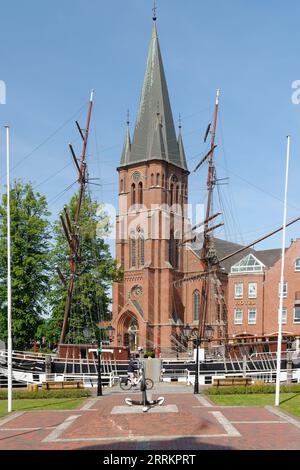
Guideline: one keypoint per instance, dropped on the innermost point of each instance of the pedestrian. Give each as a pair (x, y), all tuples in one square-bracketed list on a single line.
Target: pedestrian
[(132, 368)]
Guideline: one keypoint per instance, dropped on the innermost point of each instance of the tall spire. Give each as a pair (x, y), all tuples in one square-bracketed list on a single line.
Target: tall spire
[(181, 146), (125, 158), (155, 95)]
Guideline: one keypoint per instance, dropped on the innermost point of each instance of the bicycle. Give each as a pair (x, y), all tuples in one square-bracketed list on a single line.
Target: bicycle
[(127, 384)]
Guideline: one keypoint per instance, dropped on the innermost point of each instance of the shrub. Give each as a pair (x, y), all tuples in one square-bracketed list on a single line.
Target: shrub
[(149, 354), (22, 394), (241, 390)]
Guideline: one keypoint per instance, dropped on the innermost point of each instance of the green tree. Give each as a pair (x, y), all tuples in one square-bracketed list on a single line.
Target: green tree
[(96, 270), (30, 246)]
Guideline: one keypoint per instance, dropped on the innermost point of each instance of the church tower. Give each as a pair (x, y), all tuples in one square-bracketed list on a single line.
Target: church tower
[(153, 188)]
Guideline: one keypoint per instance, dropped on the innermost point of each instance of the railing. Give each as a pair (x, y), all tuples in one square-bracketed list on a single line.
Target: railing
[(24, 377), (268, 376), (174, 374)]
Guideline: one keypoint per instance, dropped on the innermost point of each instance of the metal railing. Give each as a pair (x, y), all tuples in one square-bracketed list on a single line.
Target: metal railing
[(24, 378)]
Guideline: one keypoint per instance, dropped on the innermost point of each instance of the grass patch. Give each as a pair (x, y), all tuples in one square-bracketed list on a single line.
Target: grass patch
[(46, 394), (41, 404), (289, 402), (252, 389)]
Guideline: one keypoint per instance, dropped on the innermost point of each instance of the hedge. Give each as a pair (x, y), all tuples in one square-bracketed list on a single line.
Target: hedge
[(20, 394), (241, 390)]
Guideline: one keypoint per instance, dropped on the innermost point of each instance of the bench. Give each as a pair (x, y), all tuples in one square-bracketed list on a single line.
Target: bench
[(232, 381), (70, 384)]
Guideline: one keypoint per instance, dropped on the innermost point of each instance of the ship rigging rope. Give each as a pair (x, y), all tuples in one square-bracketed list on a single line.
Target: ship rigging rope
[(47, 139)]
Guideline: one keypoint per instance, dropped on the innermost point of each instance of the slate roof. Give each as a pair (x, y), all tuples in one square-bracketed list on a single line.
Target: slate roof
[(224, 248), (154, 134)]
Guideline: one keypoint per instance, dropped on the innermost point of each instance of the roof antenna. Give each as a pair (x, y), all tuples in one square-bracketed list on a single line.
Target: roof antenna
[(154, 10)]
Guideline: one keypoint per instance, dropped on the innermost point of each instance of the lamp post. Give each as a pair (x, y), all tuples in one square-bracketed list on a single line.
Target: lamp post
[(110, 331), (208, 335)]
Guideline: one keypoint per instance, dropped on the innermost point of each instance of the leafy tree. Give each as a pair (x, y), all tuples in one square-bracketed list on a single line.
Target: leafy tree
[(30, 245), (96, 270)]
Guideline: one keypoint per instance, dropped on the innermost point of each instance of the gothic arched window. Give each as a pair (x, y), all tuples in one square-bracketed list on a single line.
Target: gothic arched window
[(157, 179), (122, 186), (171, 195), (132, 244), (152, 179), (196, 305), (177, 194), (140, 192), (133, 194), (163, 180), (176, 249), (142, 248)]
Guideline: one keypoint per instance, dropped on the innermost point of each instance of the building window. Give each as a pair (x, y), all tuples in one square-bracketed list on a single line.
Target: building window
[(163, 180), (297, 314), (196, 306), (238, 290), (177, 194), (252, 316), (171, 194), (285, 287), (132, 250), (176, 248), (152, 179), (133, 195), (297, 264), (238, 316), (157, 179), (142, 248), (249, 264), (252, 290), (140, 191), (122, 186), (284, 315)]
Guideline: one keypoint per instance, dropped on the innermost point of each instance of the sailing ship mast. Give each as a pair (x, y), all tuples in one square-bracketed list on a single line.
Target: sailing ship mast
[(72, 229), (208, 253)]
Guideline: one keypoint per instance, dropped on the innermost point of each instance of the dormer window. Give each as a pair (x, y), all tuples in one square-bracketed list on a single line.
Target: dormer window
[(249, 264)]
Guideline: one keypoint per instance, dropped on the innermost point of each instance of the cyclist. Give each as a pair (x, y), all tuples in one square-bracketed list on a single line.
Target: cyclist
[(132, 368)]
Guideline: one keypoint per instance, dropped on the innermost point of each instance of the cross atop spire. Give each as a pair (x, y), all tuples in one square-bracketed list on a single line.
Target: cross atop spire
[(154, 10)]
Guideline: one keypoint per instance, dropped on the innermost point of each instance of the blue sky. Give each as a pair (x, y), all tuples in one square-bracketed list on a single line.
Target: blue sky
[(53, 53)]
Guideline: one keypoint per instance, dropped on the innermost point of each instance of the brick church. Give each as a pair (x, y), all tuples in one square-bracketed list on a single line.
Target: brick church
[(153, 301)]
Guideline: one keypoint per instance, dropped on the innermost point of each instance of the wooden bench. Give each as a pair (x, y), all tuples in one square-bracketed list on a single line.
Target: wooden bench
[(70, 384), (232, 381)]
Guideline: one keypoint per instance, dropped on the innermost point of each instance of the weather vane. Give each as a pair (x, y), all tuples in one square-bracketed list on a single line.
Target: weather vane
[(154, 10)]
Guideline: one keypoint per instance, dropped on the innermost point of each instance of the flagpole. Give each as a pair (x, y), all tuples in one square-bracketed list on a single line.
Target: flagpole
[(279, 340), (9, 335)]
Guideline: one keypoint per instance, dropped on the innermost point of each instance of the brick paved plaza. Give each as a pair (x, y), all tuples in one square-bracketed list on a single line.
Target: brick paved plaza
[(184, 422)]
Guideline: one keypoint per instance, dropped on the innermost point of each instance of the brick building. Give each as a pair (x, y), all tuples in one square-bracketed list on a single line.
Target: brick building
[(151, 304), (253, 293)]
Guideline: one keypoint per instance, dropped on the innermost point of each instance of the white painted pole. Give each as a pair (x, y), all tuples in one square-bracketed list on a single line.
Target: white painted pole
[(9, 338), (279, 341)]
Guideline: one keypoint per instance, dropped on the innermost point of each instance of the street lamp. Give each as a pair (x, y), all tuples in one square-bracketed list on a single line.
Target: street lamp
[(208, 333), (86, 333), (110, 331)]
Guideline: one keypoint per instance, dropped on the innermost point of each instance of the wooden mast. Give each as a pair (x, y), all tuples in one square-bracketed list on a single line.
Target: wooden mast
[(207, 255), (72, 229)]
